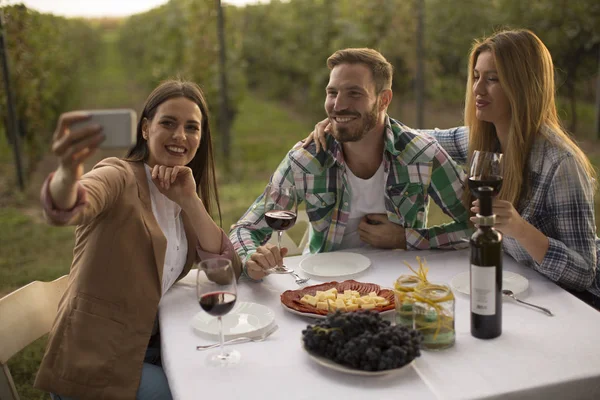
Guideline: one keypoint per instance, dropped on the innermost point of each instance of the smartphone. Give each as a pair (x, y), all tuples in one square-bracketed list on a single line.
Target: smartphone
[(118, 126)]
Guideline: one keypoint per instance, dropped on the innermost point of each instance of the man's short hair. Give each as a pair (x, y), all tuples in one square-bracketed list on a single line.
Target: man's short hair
[(381, 69)]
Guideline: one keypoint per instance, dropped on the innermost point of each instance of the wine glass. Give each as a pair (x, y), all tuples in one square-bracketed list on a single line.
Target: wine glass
[(281, 210), (486, 170), (216, 289)]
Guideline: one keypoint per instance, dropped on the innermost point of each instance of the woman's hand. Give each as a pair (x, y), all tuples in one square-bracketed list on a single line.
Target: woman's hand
[(265, 258), (508, 220), (74, 146), (319, 135), (177, 183)]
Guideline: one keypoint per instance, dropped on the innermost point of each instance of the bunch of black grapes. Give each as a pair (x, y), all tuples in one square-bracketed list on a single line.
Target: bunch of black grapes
[(362, 340)]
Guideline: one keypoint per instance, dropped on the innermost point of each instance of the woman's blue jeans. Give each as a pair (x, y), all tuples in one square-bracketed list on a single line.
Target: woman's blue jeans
[(153, 384)]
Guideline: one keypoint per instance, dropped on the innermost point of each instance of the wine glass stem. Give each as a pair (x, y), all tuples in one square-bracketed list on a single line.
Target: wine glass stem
[(279, 233), (221, 338)]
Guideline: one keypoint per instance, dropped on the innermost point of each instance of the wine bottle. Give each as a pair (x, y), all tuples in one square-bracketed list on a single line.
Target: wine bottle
[(486, 271)]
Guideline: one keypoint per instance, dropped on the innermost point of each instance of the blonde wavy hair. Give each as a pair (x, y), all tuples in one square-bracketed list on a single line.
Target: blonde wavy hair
[(526, 74)]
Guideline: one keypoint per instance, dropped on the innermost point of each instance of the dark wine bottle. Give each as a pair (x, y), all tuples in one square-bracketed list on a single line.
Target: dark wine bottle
[(486, 271)]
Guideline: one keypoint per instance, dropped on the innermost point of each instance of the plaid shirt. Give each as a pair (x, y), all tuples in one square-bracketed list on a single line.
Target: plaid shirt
[(559, 203), (416, 168)]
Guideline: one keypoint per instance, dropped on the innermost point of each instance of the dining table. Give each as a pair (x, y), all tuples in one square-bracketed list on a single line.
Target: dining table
[(537, 356)]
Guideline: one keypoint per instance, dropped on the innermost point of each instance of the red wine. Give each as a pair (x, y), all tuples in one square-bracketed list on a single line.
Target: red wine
[(217, 303), (486, 272), (493, 181), (280, 220)]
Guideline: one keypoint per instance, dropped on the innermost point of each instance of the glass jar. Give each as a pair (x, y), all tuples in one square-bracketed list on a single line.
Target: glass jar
[(433, 314), (403, 297)]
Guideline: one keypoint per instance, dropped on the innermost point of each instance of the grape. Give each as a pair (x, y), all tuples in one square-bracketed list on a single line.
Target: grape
[(362, 340)]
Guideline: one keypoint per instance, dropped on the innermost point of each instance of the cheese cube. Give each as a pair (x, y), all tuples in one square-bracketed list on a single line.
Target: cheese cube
[(332, 290), (339, 303), (331, 304), (373, 294), (355, 293), (352, 307), (304, 299), (329, 295), (322, 305), (312, 300), (368, 306)]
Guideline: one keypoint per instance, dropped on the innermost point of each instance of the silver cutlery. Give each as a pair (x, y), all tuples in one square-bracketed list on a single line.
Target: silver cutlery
[(509, 293), (285, 270), (243, 339), (300, 280)]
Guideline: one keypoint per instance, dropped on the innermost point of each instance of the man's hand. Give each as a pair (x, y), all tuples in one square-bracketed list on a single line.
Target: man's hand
[(378, 231), (265, 258)]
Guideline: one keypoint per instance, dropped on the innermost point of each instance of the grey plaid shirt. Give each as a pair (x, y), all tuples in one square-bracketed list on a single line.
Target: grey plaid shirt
[(559, 202)]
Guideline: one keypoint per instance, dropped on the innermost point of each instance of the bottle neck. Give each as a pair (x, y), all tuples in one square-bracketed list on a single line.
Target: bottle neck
[(486, 221)]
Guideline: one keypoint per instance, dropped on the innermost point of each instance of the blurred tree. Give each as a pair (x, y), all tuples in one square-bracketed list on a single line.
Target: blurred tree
[(45, 62), (570, 30), (225, 116)]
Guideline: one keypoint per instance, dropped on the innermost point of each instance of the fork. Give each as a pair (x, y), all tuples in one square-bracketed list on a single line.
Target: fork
[(300, 280), (243, 339)]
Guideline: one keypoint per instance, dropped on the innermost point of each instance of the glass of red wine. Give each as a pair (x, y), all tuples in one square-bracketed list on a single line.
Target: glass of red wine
[(281, 210), (485, 170), (216, 289)]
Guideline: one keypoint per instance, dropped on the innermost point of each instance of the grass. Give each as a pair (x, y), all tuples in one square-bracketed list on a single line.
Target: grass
[(30, 251)]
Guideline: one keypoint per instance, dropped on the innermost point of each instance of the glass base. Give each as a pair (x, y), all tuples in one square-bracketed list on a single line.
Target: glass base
[(228, 358)]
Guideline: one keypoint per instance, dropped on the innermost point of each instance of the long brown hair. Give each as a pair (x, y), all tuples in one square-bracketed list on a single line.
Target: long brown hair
[(526, 74), (202, 165)]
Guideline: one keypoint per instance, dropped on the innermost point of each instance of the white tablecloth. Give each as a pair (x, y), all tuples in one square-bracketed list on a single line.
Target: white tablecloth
[(537, 356)]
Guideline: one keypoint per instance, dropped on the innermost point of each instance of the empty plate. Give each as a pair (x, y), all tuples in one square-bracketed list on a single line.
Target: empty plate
[(510, 280), (246, 319), (335, 264)]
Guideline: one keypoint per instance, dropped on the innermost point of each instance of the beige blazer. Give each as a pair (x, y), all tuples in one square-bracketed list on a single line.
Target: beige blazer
[(105, 318)]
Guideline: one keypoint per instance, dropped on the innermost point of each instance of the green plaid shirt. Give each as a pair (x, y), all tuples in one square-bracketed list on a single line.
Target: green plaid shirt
[(416, 168)]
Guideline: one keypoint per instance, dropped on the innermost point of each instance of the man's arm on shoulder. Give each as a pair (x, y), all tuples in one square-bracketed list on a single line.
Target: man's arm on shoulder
[(446, 189), (455, 141)]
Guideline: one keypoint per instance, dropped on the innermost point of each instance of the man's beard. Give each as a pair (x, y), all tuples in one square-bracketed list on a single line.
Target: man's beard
[(351, 134)]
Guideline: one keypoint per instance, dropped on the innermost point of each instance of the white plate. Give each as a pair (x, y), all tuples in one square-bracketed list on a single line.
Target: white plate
[(342, 368), (510, 280), (335, 264), (246, 319), (319, 316)]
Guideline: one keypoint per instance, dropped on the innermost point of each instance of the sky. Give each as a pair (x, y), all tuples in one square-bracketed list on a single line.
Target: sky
[(101, 8)]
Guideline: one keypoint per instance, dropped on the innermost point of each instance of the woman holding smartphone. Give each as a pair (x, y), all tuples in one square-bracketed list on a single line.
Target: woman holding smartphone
[(142, 222), (545, 208)]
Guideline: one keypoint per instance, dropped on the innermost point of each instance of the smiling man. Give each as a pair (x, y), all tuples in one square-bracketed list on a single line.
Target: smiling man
[(372, 185)]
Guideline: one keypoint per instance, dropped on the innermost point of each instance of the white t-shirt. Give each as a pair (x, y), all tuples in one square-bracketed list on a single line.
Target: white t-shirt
[(367, 198), (168, 216)]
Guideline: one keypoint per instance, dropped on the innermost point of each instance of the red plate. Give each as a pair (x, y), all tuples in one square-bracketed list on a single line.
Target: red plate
[(291, 298)]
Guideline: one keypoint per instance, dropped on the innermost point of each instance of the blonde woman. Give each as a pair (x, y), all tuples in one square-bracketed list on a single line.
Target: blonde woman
[(546, 205)]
